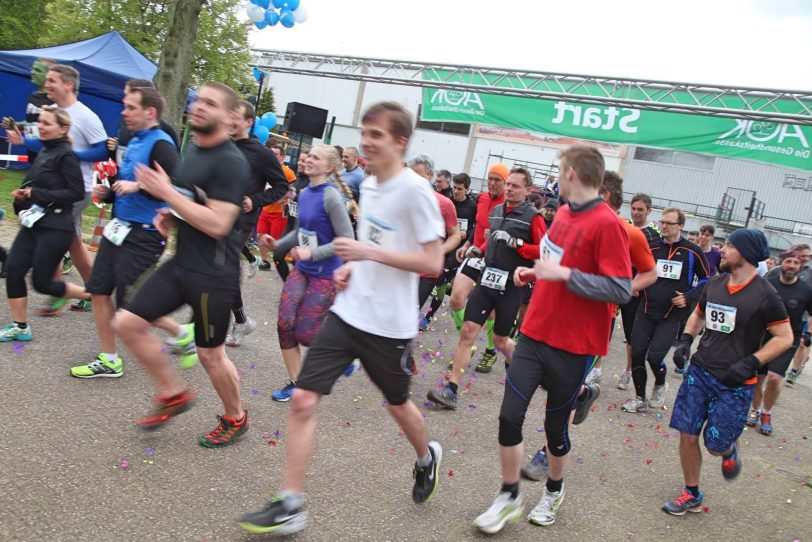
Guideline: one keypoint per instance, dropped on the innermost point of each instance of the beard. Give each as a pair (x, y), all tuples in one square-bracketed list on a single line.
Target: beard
[(788, 276), (203, 129), (728, 267)]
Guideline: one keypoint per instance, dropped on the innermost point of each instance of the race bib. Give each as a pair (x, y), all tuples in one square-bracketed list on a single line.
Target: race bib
[(30, 216), (494, 278), (377, 233), (308, 239), (669, 269), (116, 231), (463, 224), (292, 209), (32, 130), (477, 263), (550, 251), (720, 317)]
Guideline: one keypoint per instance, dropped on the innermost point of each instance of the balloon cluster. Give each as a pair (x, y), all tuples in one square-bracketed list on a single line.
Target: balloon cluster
[(263, 126), (270, 12)]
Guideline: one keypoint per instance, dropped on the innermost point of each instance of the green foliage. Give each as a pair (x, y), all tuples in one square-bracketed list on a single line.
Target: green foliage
[(266, 102), (20, 27)]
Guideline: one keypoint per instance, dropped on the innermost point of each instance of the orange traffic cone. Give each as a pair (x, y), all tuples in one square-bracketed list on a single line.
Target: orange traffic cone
[(98, 231)]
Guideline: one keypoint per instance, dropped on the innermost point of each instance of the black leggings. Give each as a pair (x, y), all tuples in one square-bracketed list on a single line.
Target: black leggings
[(39, 249), (651, 340), (562, 372)]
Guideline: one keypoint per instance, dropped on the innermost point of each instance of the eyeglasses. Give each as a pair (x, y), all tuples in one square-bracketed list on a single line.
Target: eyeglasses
[(664, 223)]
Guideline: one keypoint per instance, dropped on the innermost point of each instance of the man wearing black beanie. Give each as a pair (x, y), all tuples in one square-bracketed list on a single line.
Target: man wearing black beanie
[(735, 309)]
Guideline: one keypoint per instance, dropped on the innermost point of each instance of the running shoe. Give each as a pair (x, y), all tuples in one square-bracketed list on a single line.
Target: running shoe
[(283, 395), (594, 376), (426, 479), (227, 431), (537, 468), (239, 331), (81, 305), (686, 502), (584, 403), (638, 404), (547, 509), (766, 426), (681, 371), (188, 357), (181, 345), (67, 264), (657, 400), (487, 361), (445, 397), (732, 464), (264, 265), (352, 368), (504, 508), (792, 377), (253, 267), (101, 367), (52, 306), (13, 332), (752, 418), (424, 323), (275, 518), (625, 380), (166, 408)]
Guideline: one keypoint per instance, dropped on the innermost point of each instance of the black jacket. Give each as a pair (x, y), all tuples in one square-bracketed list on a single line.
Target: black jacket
[(56, 184)]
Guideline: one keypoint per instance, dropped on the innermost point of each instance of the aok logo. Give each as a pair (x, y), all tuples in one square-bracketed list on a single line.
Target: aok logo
[(456, 98), (764, 131)]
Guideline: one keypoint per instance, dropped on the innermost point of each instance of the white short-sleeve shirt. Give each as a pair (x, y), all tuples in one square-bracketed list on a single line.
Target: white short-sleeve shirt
[(86, 130)]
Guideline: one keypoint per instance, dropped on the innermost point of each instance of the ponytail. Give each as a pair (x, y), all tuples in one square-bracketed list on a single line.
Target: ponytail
[(353, 208)]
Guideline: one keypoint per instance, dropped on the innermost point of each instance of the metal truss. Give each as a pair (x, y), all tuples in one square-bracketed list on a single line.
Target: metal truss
[(755, 104)]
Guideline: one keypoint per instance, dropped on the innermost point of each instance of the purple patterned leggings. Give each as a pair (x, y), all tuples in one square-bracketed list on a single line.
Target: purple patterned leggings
[(302, 309)]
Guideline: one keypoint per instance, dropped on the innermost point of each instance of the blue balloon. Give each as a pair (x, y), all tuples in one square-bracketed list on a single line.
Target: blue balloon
[(262, 3), (257, 74), (278, 3), (271, 17), (261, 24), (262, 132), (293, 4), (287, 18), (268, 120)]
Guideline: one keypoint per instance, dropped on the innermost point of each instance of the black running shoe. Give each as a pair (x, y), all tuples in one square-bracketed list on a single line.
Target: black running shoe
[(427, 478), (275, 518), (584, 403)]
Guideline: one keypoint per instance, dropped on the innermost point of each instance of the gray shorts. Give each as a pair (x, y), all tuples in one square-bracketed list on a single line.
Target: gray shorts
[(79, 208)]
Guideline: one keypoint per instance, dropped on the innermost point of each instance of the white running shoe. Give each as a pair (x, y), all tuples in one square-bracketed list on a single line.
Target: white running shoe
[(239, 331), (253, 267), (546, 510), (638, 404), (657, 400), (625, 380), (594, 376), (504, 509)]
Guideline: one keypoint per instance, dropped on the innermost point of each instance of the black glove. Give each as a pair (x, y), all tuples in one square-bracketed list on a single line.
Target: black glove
[(740, 371), (683, 351), (806, 338)]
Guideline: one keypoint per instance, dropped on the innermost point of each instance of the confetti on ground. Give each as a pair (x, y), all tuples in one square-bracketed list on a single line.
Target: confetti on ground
[(345, 424), (252, 365), (450, 473), (471, 406), (124, 464), (272, 442), (18, 348), (150, 451), (254, 391)]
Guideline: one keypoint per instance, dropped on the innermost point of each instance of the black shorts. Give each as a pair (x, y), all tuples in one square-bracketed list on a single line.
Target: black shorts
[(527, 293), (628, 312), (124, 268), (506, 303), (471, 272), (780, 364), (211, 298), (388, 362), (424, 289)]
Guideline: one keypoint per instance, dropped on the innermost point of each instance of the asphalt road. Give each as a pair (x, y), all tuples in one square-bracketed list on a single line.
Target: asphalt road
[(74, 467)]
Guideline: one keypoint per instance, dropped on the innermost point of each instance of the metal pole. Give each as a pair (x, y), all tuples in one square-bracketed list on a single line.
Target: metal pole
[(750, 210), (259, 95)]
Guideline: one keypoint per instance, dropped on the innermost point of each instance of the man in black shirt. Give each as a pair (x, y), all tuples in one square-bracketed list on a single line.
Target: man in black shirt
[(735, 309), (265, 169), (681, 272), (37, 99), (204, 205), (797, 297)]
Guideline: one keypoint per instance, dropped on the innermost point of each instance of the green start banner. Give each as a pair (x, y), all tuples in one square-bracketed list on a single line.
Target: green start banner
[(775, 143)]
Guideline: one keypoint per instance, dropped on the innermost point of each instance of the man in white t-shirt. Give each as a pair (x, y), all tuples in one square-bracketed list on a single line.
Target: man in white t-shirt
[(375, 315), (88, 139)]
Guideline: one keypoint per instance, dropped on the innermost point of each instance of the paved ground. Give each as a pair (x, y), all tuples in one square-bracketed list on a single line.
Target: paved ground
[(73, 466)]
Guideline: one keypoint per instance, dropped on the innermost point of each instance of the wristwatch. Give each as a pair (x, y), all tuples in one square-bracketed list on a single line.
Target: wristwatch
[(519, 243)]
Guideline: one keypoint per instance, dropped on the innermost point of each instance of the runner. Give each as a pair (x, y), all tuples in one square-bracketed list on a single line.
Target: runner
[(273, 219), (204, 273), (797, 298), (712, 254), (352, 174), (465, 207), (131, 245), (516, 229), (802, 354), (735, 309), (400, 232), (640, 208), (583, 270), (88, 139), (471, 259), (265, 170), (681, 274), (43, 204), (442, 183), (549, 211), (309, 291)]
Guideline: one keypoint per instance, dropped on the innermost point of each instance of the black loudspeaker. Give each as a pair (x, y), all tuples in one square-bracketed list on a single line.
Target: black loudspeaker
[(305, 119)]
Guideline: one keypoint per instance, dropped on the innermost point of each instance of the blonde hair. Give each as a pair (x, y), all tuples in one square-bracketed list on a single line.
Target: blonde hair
[(332, 157), (62, 117)]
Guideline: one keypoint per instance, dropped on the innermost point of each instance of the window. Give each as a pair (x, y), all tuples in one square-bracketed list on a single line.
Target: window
[(459, 128), (675, 158)]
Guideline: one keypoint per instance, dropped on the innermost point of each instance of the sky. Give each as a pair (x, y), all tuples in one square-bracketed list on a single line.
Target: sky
[(752, 43)]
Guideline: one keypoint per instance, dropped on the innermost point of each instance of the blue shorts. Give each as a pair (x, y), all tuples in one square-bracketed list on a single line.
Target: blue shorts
[(704, 401)]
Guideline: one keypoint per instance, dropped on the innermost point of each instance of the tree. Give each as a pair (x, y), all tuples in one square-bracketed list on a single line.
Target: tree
[(21, 24), (266, 101)]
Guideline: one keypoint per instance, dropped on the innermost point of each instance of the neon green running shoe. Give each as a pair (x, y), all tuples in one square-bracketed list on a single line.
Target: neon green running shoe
[(52, 306), (101, 367), (179, 346)]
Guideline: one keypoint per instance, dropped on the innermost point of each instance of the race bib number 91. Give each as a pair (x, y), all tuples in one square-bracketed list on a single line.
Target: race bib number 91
[(720, 318), (669, 269)]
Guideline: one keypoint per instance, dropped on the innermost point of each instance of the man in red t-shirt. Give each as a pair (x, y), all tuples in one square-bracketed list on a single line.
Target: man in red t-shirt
[(583, 271)]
